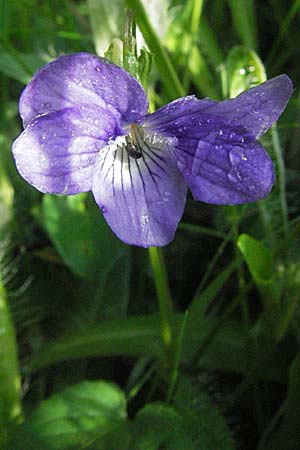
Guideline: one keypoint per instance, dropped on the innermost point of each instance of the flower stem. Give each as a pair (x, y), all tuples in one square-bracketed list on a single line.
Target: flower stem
[(164, 299), (129, 45), (281, 170), (164, 64)]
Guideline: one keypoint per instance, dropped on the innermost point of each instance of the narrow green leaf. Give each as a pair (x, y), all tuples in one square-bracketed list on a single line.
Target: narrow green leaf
[(201, 302), (81, 417), (209, 45), (200, 73), (141, 336), (244, 19), (10, 380), (20, 67), (134, 336)]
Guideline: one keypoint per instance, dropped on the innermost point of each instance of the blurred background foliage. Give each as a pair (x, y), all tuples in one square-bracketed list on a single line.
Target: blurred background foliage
[(82, 361)]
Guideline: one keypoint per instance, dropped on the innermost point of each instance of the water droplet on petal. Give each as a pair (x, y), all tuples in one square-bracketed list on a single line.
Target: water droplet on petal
[(235, 156)]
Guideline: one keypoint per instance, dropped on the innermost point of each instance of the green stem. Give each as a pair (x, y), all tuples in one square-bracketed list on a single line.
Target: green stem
[(164, 64), (164, 299), (281, 170), (10, 380), (129, 46)]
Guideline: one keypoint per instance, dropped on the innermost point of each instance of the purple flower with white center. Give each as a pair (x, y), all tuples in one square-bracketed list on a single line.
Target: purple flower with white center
[(87, 128)]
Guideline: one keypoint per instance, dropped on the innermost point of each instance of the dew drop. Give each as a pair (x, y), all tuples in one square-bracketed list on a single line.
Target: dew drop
[(235, 156), (145, 220)]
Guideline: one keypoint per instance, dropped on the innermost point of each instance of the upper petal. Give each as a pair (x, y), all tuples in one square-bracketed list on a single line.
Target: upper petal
[(83, 78), (56, 152), (143, 198), (225, 171)]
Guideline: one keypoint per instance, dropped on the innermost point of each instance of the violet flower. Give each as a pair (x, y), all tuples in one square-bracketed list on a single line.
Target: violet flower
[(87, 128)]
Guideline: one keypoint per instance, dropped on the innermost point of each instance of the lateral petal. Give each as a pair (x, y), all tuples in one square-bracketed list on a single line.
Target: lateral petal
[(225, 172)]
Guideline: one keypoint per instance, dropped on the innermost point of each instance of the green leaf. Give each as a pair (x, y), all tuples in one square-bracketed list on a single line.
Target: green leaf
[(287, 437), (10, 380), (261, 266), (244, 70), (81, 235), (141, 336), (20, 67), (202, 418), (115, 52), (258, 258), (84, 416), (244, 18), (134, 336), (145, 63), (159, 426)]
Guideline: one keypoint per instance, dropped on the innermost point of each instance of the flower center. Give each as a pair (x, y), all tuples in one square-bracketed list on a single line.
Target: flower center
[(133, 142)]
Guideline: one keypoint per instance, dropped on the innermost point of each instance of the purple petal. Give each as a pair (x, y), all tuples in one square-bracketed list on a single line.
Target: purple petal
[(57, 151), (258, 108), (255, 110), (224, 172), (173, 118), (83, 78), (141, 199)]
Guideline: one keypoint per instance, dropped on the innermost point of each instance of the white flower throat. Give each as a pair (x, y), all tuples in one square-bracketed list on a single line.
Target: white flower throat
[(140, 141)]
